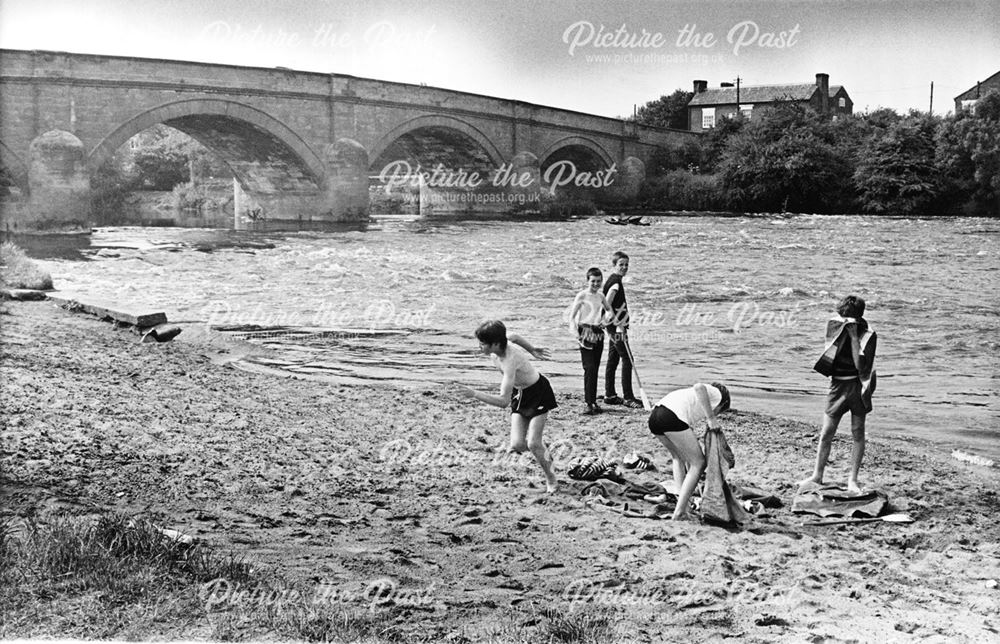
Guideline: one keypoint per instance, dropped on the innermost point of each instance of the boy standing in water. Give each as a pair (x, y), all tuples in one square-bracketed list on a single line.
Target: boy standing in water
[(526, 391), (618, 350), (586, 322), (848, 359)]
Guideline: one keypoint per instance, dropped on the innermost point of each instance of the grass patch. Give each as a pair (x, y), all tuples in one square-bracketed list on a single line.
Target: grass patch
[(18, 271), (118, 577)]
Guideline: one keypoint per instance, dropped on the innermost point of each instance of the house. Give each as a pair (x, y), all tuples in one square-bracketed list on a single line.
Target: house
[(967, 99), (707, 106)]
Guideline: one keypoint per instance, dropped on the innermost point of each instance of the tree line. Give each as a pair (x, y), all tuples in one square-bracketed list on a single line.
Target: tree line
[(788, 158)]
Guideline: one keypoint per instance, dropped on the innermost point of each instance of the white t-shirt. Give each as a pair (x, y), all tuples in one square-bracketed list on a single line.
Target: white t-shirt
[(684, 403)]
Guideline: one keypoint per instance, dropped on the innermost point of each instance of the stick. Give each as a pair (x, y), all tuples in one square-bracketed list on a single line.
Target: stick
[(642, 394), (899, 517)]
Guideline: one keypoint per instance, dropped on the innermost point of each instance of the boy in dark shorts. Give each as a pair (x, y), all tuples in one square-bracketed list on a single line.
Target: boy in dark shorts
[(672, 421), (526, 391), (848, 358), (618, 350)]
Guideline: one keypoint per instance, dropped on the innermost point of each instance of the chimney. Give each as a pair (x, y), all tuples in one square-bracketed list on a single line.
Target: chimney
[(700, 86), (823, 82)]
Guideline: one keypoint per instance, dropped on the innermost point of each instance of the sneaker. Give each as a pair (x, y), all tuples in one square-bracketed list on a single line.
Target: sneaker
[(613, 400), (596, 409), (632, 403), (589, 411)]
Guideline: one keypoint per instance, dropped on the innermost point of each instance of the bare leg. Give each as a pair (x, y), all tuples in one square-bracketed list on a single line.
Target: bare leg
[(537, 447), (518, 430), (823, 449), (684, 446), (857, 452), (678, 465)]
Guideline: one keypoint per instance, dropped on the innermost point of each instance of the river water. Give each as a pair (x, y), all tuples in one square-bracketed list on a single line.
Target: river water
[(738, 299)]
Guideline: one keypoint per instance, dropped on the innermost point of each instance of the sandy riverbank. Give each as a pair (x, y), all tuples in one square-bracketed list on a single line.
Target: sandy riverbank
[(342, 486)]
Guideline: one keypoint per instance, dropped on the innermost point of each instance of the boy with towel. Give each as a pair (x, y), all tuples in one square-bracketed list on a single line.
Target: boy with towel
[(848, 358), (673, 420)]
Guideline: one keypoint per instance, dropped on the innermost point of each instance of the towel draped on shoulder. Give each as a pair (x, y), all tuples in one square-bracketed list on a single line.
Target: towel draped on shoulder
[(836, 336)]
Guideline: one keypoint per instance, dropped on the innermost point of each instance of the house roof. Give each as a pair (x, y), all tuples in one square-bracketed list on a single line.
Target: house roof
[(990, 83), (759, 94)]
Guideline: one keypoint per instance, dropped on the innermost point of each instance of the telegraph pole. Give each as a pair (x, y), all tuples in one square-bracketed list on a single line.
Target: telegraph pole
[(930, 110)]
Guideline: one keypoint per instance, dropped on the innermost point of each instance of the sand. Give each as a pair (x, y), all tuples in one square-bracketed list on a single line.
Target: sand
[(344, 486)]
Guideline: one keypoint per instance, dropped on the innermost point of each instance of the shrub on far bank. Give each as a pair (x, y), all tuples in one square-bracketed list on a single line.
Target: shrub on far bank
[(682, 190), (18, 271)]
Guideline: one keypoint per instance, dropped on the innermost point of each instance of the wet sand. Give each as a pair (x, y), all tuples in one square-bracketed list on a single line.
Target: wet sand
[(342, 486)]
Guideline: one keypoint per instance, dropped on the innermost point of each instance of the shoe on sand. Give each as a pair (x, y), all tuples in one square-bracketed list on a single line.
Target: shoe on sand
[(613, 400), (632, 403)]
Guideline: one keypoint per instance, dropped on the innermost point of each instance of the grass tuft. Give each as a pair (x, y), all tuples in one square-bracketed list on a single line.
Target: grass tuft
[(18, 271), (575, 627)]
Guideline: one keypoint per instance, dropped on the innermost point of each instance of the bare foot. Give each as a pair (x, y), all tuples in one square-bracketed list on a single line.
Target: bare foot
[(551, 484), (812, 480), (853, 487), (684, 516)]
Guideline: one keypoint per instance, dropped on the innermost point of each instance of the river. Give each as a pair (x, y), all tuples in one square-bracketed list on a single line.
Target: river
[(738, 299)]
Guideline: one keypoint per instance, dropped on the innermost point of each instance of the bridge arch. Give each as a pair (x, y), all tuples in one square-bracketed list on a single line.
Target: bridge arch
[(576, 141), (432, 122), (273, 138)]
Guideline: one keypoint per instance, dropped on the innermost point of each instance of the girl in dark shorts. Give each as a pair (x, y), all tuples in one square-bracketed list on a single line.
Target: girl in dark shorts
[(526, 391), (672, 421)]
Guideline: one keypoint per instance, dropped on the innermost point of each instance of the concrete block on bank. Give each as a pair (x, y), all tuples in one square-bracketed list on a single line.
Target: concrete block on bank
[(106, 310), (22, 294)]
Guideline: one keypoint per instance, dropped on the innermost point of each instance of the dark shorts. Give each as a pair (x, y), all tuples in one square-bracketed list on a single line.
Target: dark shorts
[(663, 421), (534, 400), (845, 396)]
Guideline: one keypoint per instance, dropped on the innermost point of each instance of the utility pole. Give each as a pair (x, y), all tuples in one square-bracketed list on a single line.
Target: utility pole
[(930, 110), (737, 93)]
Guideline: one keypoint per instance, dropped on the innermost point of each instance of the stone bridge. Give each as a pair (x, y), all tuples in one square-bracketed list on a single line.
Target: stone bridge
[(305, 145)]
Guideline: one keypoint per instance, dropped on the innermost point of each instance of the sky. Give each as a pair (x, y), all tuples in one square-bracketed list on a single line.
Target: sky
[(601, 57)]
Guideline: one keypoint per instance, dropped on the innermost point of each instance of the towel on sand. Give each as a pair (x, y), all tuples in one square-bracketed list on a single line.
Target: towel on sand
[(833, 501), (621, 498), (717, 500), (836, 336)]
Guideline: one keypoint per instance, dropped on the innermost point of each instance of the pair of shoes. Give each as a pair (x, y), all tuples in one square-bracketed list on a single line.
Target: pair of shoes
[(613, 400), (632, 403), (639, 462)]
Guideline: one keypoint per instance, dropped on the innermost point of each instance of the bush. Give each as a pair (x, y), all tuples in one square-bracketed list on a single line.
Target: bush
[(682, 190), (896, 173), (18, 271)]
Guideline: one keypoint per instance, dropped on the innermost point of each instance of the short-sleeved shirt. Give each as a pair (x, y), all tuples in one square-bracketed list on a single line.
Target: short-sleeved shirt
[(517, 358), (684, 403), (619, 307)]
